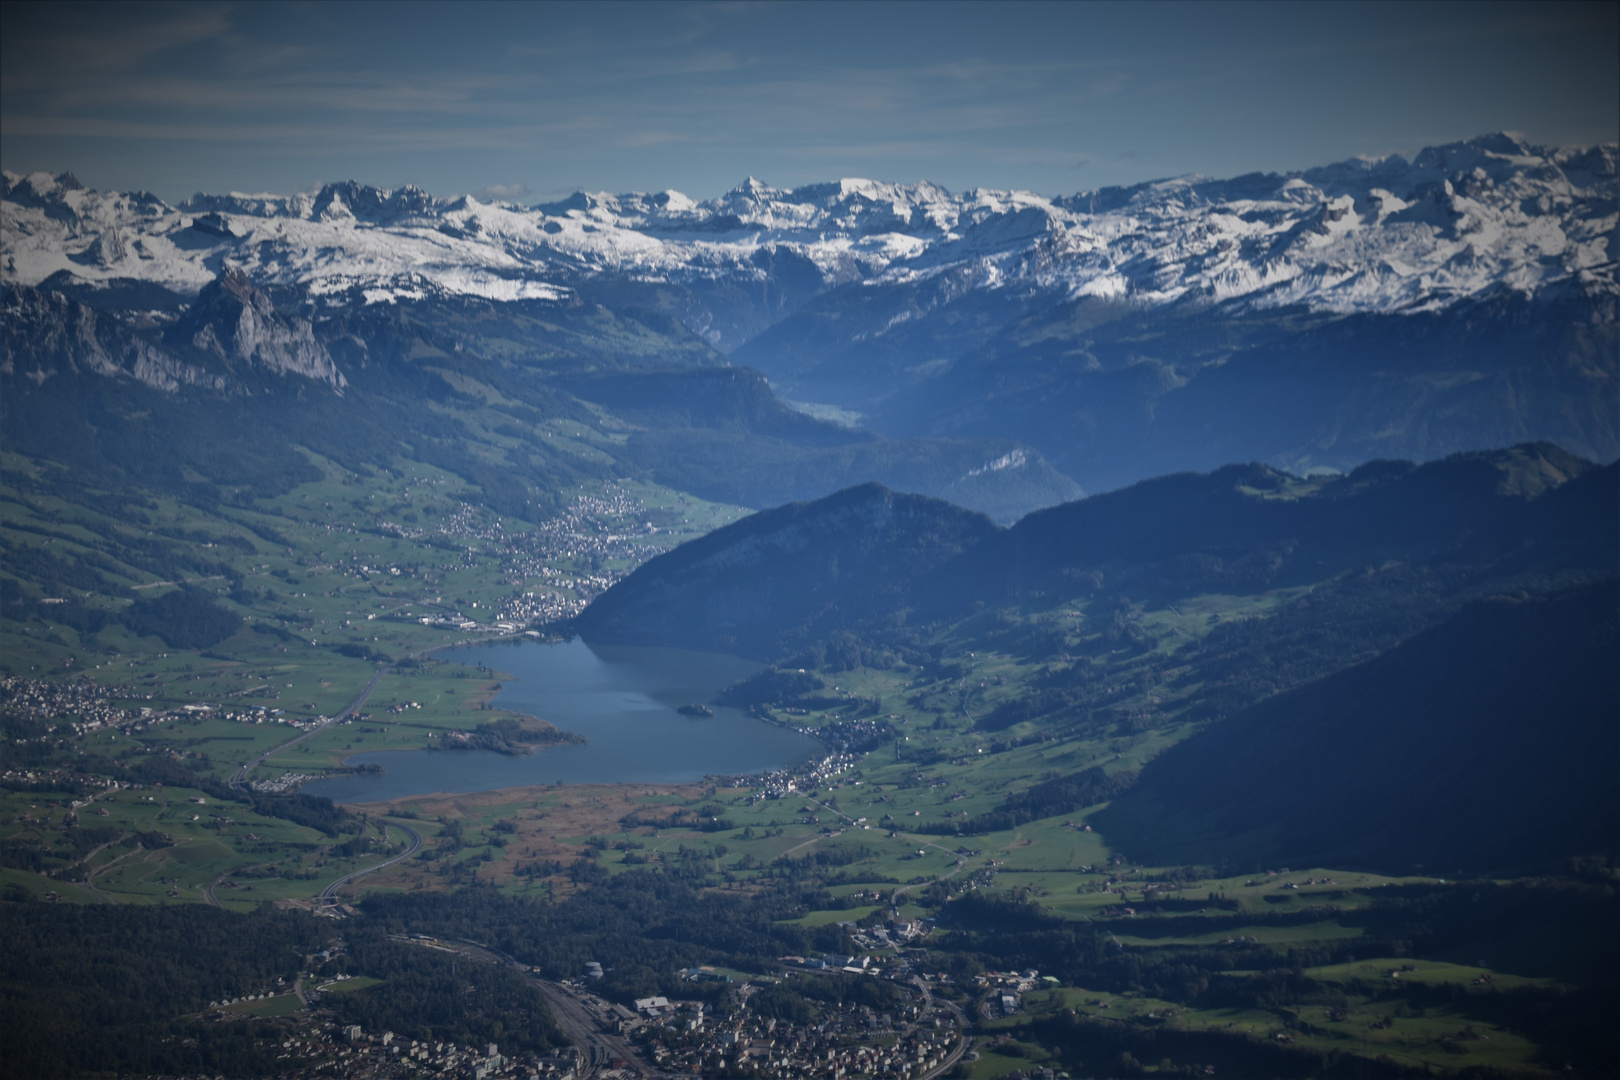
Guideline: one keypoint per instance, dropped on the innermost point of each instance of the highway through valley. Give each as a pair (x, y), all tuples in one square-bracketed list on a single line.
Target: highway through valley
[(239, 780), (329, 894)]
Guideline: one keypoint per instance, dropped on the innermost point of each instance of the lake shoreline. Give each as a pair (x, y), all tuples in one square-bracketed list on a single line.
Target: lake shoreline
[(623, 701)]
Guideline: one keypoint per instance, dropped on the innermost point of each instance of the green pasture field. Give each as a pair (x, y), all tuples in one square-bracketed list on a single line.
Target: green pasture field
[(279, 1005), (329, 576), (248, 858), (1423, 972), (991, 1064), (350, 985), (1442, 1037), (824, 918), (1307, 933)]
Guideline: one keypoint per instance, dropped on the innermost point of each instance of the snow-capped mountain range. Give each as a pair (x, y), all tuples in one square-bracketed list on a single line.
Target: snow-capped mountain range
[(1381, 235)]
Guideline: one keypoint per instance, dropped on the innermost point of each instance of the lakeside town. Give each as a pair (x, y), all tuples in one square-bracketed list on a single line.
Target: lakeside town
[(592, 533)]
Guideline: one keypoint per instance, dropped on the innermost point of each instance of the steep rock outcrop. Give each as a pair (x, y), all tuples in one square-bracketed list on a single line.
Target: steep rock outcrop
[(227, 342), (46, 334), (235, 321)]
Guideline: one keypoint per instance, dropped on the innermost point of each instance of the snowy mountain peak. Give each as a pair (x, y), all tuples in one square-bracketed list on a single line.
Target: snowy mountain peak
[(1365, 234)]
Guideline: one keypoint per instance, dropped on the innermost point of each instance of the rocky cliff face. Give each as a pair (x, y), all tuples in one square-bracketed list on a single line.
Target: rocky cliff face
[(225, 343), (235, 322), (45, 335)]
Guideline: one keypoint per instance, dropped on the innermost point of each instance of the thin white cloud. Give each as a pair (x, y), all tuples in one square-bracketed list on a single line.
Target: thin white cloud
[(502, 192)]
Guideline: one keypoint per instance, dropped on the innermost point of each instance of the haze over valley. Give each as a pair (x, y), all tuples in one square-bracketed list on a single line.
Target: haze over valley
[(1113, 623)]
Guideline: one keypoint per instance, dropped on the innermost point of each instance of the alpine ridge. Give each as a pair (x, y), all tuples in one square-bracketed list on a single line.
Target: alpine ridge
[(1380, 234), (1374, 308)]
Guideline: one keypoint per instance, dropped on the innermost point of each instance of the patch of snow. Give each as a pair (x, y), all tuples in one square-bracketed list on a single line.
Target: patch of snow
[(1013, 459)]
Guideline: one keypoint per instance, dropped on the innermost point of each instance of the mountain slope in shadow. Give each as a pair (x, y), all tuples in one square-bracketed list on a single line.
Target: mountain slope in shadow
[(785, 576), (1487, 744)]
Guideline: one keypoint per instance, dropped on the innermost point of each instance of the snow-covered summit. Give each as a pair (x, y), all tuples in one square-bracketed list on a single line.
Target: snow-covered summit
[(1368, 234)]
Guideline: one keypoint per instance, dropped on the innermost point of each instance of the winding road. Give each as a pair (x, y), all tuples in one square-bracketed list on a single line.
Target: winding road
[(963, 1025), (90, 877), (239, 782), (329, 894)]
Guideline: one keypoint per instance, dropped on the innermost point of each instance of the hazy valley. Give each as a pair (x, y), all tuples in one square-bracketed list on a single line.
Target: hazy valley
[(1200, 597)]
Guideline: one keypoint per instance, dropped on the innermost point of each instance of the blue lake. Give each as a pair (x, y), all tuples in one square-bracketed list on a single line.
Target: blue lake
[(621, 698)]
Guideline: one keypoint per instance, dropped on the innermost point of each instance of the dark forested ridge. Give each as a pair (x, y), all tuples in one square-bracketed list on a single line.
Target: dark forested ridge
[(1247, 528), (1487, 744), (789, 575), (802, 572)]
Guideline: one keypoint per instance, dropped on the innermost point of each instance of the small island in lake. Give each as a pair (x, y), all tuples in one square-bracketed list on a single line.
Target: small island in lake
[(695, 709), (511, 737)]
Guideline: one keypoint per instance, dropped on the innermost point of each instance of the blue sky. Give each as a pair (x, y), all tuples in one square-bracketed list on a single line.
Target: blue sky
[(532, 101)]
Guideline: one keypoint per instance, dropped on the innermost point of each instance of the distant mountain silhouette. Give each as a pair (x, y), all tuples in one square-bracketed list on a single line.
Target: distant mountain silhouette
[(1247, 527)]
